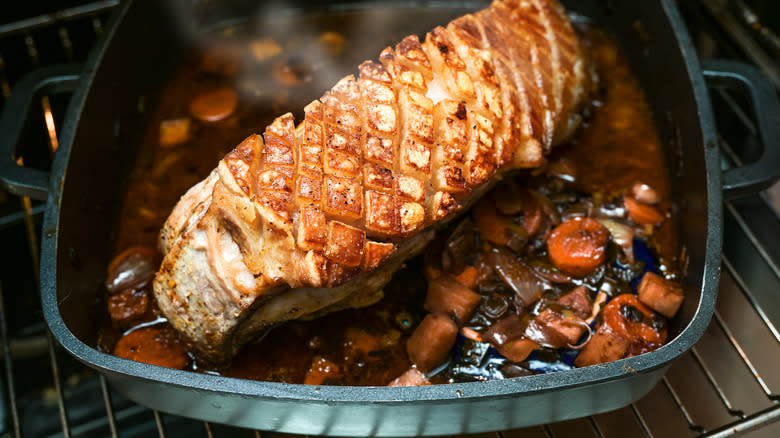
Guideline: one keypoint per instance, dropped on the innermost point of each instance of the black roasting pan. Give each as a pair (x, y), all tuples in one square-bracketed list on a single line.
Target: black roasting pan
[(111, 94)]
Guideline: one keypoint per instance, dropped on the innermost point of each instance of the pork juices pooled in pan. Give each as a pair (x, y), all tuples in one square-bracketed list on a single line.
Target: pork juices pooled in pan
[(306, 220)]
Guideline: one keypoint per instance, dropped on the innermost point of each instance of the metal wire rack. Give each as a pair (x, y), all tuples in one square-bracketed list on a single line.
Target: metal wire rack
[(727, 385)]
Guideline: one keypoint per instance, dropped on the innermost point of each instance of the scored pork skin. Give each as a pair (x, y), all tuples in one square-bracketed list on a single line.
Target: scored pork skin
[(306, 220)]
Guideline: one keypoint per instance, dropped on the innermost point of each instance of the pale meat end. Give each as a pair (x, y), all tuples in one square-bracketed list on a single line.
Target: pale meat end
[(187, 211), (412, 377), (446, 295), (431, 341), (660, 295), (604, 346), (577, 301), (518, 350)]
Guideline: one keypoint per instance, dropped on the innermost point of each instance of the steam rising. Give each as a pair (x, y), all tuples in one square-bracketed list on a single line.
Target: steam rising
[(280, 57)]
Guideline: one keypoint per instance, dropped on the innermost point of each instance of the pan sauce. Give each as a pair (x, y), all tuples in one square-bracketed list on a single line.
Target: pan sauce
[(277, 72)]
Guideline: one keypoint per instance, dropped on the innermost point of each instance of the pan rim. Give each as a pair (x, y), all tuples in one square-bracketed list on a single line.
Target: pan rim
[(660, 358)]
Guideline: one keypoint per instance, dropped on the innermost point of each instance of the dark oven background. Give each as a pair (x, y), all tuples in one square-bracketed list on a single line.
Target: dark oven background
[(728, 384)]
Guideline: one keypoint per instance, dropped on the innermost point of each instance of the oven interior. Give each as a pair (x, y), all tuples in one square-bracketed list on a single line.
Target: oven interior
[(725, 385)]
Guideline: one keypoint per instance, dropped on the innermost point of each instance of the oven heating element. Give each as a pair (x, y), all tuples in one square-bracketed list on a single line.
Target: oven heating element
[(727, 385)]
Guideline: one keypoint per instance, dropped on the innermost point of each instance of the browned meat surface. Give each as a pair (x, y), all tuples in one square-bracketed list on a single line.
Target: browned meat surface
[(306, 220)]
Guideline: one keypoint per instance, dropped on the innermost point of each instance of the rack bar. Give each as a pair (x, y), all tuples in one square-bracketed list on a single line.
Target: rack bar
[(109, 407), (742, 38), (754, 421), (160, 425), (641, 421), (596, 427), (708, 374), (9, 368), (742, 354), (48, 19), (67, 43), (692, 424)]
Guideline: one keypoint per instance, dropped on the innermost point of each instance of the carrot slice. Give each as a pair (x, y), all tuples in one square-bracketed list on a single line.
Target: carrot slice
[(468, 277), (174, 131), (128, 306), (532, 213), (490, 223), (628, 318), (222, 59), (214, 105), (509, 198), (264, 49), (640, 213), (431, 341), (154, 345), (578, 246)]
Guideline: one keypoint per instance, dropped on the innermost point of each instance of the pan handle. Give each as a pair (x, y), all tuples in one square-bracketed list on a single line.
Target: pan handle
[(761, 174), (17, 179)]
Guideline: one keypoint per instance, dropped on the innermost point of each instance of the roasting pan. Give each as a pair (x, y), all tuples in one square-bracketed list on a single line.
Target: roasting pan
[(98, 139)]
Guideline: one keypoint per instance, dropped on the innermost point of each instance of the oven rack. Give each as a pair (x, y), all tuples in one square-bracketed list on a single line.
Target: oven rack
[(727, 385)]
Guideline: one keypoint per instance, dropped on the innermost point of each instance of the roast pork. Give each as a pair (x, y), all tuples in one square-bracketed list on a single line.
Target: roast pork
[(304, 220)]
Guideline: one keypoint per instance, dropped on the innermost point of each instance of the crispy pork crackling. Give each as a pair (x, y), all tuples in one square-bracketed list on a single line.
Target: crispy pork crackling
[(306, 220)]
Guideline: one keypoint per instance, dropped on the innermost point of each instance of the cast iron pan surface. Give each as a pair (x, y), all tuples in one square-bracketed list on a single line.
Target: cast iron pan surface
[(107, 112)]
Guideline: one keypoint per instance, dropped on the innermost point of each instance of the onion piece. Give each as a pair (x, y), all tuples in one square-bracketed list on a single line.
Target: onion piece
[(548, 208), (607, 211), (549, 272), (459, 247), (645, 194), (589, 334), (505, 329), (555, 330), (518, 237), (133, 268), (494, 306), (622, 235), (601, 298), (563, 169), (526, 286)]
